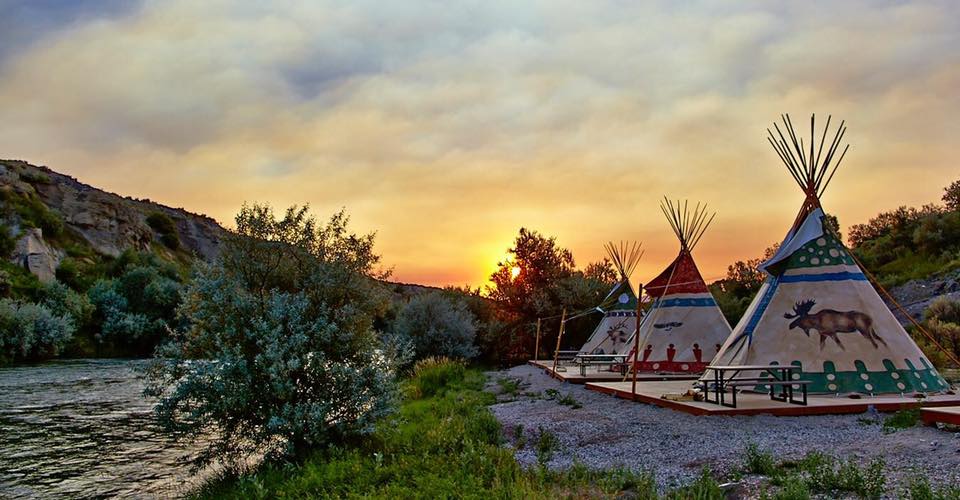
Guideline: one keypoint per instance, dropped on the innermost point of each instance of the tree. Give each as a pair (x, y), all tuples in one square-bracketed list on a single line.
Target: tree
[(284, 323), (951, 196), (546, 281), (942, 321), (437, 326), (31, 332), (734, 292)]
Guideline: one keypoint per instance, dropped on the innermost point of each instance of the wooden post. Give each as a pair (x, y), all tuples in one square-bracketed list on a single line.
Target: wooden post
[(556, 353), (636, 346), (536, 349)]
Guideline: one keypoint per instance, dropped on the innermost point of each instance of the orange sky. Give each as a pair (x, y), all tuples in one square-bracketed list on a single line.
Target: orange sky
[(447, 126)]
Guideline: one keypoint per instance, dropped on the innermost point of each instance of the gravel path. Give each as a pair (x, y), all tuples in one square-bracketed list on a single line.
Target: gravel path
[(608, 432)]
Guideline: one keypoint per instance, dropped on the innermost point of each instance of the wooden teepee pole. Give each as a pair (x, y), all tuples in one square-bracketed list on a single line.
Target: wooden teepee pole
[(536, 349), (636, 347), (556, 352)]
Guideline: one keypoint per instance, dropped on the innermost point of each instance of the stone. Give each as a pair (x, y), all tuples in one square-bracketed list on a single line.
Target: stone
[(36, 255)]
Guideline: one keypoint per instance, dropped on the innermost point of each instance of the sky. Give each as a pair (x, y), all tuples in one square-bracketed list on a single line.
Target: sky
[(445, 126)]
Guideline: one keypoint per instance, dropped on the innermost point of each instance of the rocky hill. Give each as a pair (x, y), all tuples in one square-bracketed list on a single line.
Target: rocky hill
[(50, 215)]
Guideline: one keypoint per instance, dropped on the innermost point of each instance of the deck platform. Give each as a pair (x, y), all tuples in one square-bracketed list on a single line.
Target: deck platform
[(749, 403), (572, 374), (943, 415)]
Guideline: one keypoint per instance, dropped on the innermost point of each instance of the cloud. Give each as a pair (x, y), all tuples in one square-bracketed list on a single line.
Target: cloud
[(447, 126)]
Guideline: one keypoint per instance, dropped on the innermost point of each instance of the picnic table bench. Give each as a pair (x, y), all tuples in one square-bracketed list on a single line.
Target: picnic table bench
[(585, 360), (728, 377)]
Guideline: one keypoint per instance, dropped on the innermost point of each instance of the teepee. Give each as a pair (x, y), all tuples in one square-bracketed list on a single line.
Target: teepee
[(816, 309), (619, 308), (684, 328)]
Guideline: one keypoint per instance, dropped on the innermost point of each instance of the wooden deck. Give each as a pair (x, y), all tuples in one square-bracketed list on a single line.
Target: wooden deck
[(944, 415), (572, 374), (749, 403)]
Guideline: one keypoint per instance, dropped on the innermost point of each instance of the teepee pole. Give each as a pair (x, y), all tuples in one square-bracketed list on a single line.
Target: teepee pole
[(536, 348), (636, 347), (556, 352)]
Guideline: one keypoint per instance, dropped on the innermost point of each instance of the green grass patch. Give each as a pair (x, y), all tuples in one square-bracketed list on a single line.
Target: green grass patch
[(903, 419), (509, 386), (443, 443), (816, 473), (563, 399)]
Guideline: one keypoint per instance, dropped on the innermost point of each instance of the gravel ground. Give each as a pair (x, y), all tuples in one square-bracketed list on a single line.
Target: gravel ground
[(608, 432)]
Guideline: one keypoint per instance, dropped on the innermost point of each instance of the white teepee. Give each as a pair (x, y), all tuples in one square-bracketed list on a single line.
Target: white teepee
[(620, 305), (816, 309)]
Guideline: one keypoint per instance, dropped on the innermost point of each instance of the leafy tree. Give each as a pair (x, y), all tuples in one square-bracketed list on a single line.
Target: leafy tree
[(547, 281), (135, 310), (437, 325), (951, 196), (734, 292), (284, 323)]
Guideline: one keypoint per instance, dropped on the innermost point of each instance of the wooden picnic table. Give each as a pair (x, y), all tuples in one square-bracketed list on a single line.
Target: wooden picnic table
[(728, 377), (585, 360)]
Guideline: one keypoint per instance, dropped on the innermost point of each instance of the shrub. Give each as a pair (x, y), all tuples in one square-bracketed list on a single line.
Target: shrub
[(135, 310), (705, 487), (437, 326), (165, 227), (284, 321), (433, 375), (759, 462), (61, 299), (919, 488), (7, 242), (30, 332), (547, 445)]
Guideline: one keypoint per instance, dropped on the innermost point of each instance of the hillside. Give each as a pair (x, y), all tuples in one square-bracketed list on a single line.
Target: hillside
[(52, 215)]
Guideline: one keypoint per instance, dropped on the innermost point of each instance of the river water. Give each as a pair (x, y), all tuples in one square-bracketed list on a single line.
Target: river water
[(81, 429)]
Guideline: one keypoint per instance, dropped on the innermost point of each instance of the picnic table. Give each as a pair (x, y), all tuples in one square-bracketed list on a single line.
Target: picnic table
[(585, 360), (779, 376)]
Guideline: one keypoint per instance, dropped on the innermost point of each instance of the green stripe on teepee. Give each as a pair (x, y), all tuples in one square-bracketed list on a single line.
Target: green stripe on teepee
[(823, 251)]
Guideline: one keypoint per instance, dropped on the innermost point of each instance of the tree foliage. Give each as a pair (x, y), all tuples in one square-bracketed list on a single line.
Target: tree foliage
[(437, 325), (547, 281), (736, 290), (31, 332), (284, 325)]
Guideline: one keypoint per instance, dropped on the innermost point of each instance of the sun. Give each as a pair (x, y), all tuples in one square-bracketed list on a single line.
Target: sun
[(514, 272)]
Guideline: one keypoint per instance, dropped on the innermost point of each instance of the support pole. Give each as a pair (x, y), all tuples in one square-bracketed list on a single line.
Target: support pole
[(556, 353), (536, 349), (636, 347)]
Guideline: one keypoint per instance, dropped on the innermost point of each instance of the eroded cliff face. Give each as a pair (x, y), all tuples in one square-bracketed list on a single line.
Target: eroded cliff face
[(107, 222)]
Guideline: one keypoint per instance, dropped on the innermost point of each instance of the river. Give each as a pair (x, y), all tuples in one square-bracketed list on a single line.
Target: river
[(81, 429)]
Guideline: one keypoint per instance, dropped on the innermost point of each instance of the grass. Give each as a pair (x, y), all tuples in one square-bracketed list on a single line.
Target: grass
[(443, 443), (509, 386), (919, 488), (563, 399), (903, 419), (816, 473)]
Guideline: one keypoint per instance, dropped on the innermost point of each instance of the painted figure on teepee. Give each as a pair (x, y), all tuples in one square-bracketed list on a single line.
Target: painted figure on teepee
[(684, 315), (816, 309), (619, 308)]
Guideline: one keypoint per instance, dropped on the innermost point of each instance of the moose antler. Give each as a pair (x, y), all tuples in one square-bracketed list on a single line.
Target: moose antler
[(801, 308)]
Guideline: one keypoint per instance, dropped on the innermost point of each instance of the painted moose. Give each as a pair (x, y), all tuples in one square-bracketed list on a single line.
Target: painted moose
[(828, 323)]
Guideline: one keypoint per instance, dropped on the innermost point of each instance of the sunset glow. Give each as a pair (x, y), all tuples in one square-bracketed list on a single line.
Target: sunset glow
[(445, 130)]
